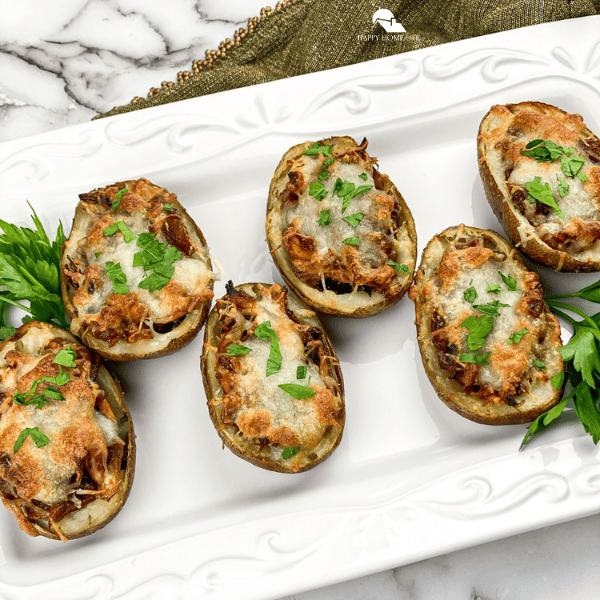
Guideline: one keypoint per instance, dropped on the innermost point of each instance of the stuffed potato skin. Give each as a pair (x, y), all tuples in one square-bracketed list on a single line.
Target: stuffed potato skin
[(135, 322), (488, 340), (567, 239), (337, 266), (254, 418), (84, 501)]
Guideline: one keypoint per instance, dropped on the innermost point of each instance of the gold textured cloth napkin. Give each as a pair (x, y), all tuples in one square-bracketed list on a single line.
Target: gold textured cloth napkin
[(304, 36)]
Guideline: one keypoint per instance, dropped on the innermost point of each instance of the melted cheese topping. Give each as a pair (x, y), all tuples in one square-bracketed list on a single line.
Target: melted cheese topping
[(76, 430), (264, 411), (509, 129), (144, 209), (379, 238)]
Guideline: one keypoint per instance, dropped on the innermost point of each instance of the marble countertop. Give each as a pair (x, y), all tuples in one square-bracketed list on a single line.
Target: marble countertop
[(61, 63)]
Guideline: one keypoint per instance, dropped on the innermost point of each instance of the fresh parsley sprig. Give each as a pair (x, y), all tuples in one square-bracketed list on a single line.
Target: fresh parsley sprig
[(30, 271), (582, 368)]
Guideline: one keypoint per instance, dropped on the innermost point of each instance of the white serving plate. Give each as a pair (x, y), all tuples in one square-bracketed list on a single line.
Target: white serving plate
[(411, 479)]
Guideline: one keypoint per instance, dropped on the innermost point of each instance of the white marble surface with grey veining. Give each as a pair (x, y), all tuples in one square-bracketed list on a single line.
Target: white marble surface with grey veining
[(61, 63)]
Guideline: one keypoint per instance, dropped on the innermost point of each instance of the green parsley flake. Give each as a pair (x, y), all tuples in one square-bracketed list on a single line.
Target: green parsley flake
[(547, 151), (517, 336), (118, 278), (118, 197), (317, 190), (236, 350), (494, 288), (364, 176), (157, 257), (571, 165), (168, 206), (509, 281), (470, 295), (324, 217), (299, 392), (316, 149), (66, 357), (563, 187), (354, 219), (289, 452), (400, 268), (543, 193), (479, 328), (352, 241), (122, 227), (36, 435), (301, 371), (490, 308), (266, 333), (478, 359), (539, 364)]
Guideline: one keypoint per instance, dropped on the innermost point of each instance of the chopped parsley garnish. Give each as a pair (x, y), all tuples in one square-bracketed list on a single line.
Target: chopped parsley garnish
[(236, 350), (354, 219), (299, 392), (543, 193), (301, 371), (470, 295), (571, 165), (400, 268), (563, 187), (352, 241), (509, 281), (36, 435), (547, 151), (317, 190), (490, 308), (266, 333), (364, 176), (347, 191), (122, 227), (118, 197), (478, 359), (539, 364), (494, 288), (324, 217), (65, 357), (118, 278), (479, 328), (517, 336), (168, 206), (317, 149), (157, 257), (324, 174), (289, 452)]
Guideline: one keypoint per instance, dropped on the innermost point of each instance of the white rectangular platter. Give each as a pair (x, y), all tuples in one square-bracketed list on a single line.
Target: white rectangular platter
[(411, 479)]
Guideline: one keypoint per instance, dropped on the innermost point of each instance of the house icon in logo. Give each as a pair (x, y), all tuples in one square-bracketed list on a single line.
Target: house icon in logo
[(386, 19)]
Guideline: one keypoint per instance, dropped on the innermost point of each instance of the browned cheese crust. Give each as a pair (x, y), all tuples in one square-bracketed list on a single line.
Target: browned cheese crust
[(256, 419), (67, 448), (111, 230), (571, 243), (488, 340), (339, 231)]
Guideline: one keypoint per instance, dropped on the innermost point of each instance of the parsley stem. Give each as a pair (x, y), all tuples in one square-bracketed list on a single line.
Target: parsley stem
[(577, 311)]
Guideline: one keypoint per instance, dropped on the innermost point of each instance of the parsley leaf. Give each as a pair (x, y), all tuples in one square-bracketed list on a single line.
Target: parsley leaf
[(299, 392), (354, 219), (470, 295), (494, 288), (36, 435), (517, 336), (571, 165), (66, 357), (301, 371), (324, 217), (236, 350), (289, 452), (479, 328), (491, 308), (547, 151), (121, 226), (316, 149), (118, 197), (157, 257), (352, 241), (317, 190), (364, 176), (400, 268), (543, 194), (30, 270), (509, 281), (563, 188), (266, 333), (118, 278), (479, 359)]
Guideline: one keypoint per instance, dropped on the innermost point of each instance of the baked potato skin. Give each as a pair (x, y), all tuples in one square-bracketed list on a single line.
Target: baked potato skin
[(329, 302), (516, 226), (124, 351), (98, 513), (229, 433), (450, 391)]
